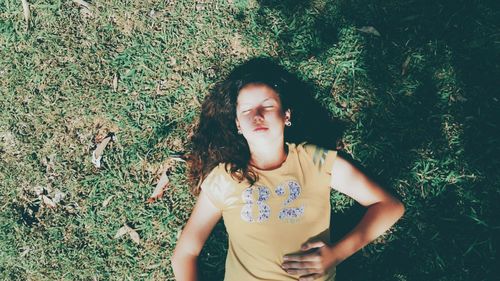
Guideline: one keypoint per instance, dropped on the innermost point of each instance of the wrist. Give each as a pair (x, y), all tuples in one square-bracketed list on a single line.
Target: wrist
[(335, 256)]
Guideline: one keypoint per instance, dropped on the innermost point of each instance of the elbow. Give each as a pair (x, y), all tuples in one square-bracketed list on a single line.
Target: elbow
[(183, 264), (175, 262)]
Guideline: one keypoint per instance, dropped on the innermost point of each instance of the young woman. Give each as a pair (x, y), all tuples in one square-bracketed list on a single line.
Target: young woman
[(274, 195)]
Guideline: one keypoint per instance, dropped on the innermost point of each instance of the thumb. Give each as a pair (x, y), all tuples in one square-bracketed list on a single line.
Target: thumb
[(310, 245)]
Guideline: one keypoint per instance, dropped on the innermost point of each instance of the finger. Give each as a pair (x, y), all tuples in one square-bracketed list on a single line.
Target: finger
[(308, 257), (303, 271), (310, 277), (299, 265), (309, 245)]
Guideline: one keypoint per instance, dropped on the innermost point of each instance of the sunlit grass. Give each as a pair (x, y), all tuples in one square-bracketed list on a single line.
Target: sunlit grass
[(419, 99)]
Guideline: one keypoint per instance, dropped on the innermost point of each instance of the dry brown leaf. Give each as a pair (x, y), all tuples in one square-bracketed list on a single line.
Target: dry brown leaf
[(134, 236), (125, 229), (161, 186), (48, 202), (97, 153), (122, 231), (369, 30)]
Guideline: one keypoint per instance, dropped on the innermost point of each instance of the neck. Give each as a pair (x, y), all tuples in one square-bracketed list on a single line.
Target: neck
[(268, 156)]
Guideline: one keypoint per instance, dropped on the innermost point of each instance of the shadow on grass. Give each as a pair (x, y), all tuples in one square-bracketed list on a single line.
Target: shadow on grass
[(213, 256), (450, 232), (453, 232)]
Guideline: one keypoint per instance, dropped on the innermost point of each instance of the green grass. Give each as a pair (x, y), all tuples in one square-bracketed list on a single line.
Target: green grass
[(421, 101)]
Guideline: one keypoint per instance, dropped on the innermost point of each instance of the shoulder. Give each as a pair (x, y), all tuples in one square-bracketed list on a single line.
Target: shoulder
[(314, 151), (216, 174), (218, 186), (219, 179), (315, 156)]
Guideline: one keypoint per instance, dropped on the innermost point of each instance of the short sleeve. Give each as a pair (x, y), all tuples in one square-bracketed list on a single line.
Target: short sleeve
[(322, 158), (217, 187)]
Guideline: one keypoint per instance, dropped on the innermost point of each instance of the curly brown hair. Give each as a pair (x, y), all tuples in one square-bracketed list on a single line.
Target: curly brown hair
[(215, 139)]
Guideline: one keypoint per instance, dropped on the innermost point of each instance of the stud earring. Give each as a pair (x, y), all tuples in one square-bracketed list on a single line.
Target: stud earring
[(240, 132), (288, 123)]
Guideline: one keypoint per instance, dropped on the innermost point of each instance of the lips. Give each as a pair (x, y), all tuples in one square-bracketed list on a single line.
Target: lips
[(260, 129)]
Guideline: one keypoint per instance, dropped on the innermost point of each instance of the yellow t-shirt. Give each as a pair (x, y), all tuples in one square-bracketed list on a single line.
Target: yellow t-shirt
[(286, 207)]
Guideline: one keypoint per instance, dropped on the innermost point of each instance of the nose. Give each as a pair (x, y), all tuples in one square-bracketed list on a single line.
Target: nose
[(258, 115)]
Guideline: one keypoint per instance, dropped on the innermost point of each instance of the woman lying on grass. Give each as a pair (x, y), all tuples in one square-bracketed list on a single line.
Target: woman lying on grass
[(273, 195)]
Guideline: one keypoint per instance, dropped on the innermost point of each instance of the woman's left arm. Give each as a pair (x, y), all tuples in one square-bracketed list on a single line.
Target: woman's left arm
[(383, 210)]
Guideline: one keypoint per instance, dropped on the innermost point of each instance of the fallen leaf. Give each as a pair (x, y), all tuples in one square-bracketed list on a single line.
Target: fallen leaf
[(125, 229), (48, 202), (106, 202), (83, 4), (58, 197), (26, 12), (122, 231), (134, 236), (369, 30), (97, 153), (161, 186)]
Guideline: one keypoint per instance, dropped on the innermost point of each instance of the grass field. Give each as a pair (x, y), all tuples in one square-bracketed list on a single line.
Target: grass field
[(416, 81)]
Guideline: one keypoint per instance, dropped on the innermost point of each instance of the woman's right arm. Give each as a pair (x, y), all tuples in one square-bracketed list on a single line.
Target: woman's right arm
[(201, 222)]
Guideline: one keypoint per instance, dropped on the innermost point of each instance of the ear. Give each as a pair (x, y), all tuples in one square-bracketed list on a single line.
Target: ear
[(288, 114), (237, 123)]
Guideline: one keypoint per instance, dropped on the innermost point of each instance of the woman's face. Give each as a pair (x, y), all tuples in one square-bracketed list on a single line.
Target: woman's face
[(259, 115)]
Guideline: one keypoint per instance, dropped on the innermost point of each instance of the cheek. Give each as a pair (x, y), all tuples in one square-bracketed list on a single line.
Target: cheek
[(276, 116), (244, 120)]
